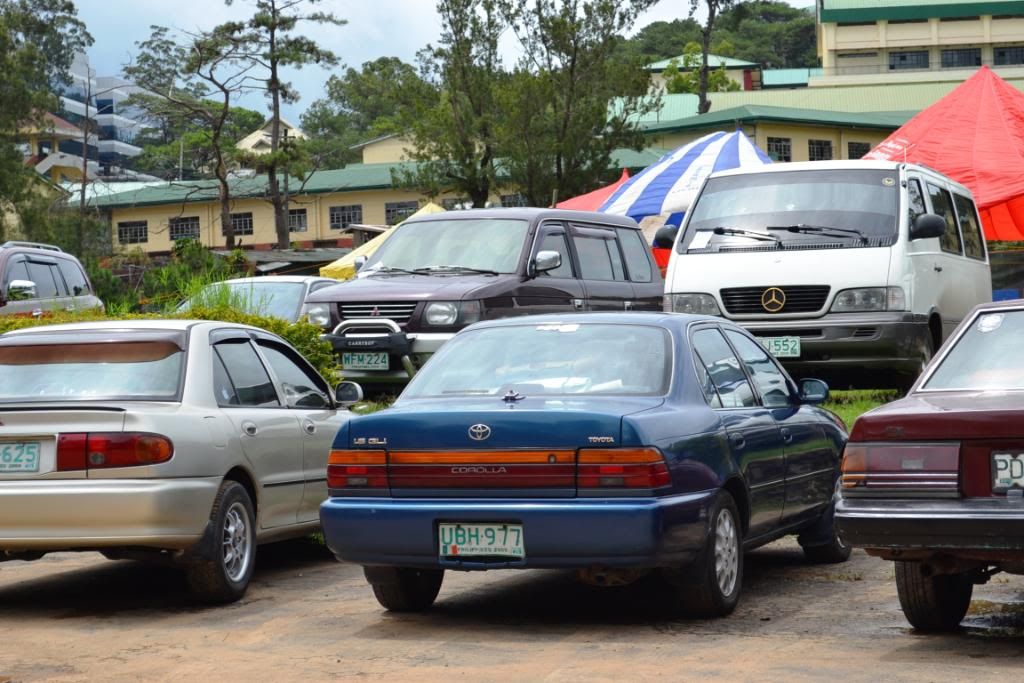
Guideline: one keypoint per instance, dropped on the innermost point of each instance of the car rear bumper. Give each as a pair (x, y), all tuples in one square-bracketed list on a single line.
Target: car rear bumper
[(569, 533), (975, 524), (65, 514)]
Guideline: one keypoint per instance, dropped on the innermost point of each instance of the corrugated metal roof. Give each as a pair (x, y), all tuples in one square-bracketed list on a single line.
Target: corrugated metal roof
[(751, 113), (788, 78), (873, 10), (714, 61)]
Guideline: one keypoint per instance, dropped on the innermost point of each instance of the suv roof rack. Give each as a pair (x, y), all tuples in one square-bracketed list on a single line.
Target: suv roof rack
[(34, 245)]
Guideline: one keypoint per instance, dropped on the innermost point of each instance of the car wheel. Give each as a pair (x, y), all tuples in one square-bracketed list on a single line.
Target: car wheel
[(932, 602), (225, 574), (403, 589), (711, 586), (832, 552)]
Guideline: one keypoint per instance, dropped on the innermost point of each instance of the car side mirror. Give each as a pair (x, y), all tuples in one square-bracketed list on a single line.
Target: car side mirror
[(359, 263), (348, 393), (927, 225), (20, 290), (546, 260), (813, 391), (665, 237)]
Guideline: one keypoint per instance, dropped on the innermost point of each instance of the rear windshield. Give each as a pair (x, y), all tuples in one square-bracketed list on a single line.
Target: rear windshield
[(130, 371), (549, 360), (986, 357)]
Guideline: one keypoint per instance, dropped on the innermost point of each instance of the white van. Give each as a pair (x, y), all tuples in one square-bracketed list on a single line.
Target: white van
[(836, 266)]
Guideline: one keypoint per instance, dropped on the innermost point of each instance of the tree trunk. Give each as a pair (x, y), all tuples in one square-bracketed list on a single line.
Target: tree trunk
[(704, 105), (277, 199)]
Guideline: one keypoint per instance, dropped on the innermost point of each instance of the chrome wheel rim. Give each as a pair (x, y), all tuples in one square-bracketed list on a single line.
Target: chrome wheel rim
[(236, 542), (727, 552)]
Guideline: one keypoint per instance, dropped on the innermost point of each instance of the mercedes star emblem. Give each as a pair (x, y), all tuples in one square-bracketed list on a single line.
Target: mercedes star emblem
[(479, 432), (773, 299)]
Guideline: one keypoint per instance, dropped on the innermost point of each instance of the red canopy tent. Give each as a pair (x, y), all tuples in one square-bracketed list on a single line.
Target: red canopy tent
[(592, 201), (975, 135)]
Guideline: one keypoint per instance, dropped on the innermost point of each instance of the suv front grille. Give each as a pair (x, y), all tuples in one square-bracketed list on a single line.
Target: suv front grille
[(794, 299), (400, 312)]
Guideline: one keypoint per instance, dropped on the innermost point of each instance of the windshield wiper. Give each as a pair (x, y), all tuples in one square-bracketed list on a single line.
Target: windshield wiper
[(743, 232), (392, 269), (821, 230), (447, 269)]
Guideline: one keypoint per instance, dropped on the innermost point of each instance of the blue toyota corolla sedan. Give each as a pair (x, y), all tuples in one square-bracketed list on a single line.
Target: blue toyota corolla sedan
[(611, 443)]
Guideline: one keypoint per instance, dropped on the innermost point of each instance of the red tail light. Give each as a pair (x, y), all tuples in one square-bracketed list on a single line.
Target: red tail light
[(877, 469), (357, 470), (621, 468), (99, 450)]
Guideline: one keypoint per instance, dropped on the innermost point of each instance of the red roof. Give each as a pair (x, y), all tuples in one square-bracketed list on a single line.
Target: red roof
[(975, 135), (592, 201)]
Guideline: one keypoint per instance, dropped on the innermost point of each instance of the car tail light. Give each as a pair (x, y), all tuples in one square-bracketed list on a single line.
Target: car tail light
[(621, 468), (482, 469), (880, 469), (357, 470), (99, 450)]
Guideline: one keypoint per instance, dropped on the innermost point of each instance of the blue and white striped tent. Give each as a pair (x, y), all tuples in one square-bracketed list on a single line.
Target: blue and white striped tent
[(669, 186)]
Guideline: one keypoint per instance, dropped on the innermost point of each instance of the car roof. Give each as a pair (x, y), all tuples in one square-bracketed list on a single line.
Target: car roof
[(127, 325), (528, 214)]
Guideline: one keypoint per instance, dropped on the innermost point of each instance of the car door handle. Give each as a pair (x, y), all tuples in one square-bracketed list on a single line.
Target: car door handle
[(250, 428), (787, 436), (737, 440), (938, 269), (577, 304), (309, 426), (627, 305)]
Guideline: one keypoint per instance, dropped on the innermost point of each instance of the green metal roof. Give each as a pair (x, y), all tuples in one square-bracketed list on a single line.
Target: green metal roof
[(788, 78), (754, 113), (853, 11), (714, 61)]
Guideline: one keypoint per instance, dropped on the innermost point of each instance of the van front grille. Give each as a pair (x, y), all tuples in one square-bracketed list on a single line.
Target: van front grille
[(763, 300), (400, 312)]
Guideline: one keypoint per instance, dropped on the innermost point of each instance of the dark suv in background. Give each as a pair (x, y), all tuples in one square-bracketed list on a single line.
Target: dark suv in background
[(41, 277), (440, 273)]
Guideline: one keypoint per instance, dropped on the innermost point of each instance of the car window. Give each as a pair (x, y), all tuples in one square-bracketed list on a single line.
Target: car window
[(223, 389), (596, 258), (915, 200), (770, 381), (78, 283), (48, 284), (942, 204), (724, 368), (710, 394), (16, 270), (300, 387), (637, 262), (974, 243), (250, 379), (986, 356), (555, 241)]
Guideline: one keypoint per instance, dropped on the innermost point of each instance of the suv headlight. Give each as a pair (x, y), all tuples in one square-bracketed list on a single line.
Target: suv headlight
[(318, 314), (698, 304), (870, 299), (449, 313)]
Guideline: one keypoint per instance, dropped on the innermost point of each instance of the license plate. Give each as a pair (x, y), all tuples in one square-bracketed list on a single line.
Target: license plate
[(457, 540), (364, 361), (1007, 471), (781, 347), (19, 456)]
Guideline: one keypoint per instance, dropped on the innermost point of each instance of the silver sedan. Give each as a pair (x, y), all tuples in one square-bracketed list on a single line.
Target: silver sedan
[(193, 441)]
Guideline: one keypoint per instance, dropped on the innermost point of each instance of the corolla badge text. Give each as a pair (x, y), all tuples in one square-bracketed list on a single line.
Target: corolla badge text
[(478, 469), (479, 432)]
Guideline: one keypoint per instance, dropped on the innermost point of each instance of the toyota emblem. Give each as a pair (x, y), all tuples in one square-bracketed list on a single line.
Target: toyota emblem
[(773, 299), (479, 432)]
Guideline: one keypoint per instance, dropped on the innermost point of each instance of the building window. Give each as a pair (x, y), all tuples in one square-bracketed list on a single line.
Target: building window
[(780, 149), (456, 203), (183, 228), (819, 150), (396, 212), (856, 150), (340, 217), (961, 58), (908, 60), (241, 224), (517, 199), (133, 232), (1009, 55), (297, 220)]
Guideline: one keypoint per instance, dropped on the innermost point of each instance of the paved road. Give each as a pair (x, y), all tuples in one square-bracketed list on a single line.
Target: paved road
[(79, 617)]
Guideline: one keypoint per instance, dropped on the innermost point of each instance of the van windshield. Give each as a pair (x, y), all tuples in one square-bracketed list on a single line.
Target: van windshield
[(451, 246), (825, 209)]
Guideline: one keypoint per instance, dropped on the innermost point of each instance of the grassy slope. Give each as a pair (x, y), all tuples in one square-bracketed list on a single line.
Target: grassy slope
[(849, 405)]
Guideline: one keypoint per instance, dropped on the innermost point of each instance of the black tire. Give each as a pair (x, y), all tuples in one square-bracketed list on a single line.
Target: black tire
[(223, 575), (936, 602), (403, 589), (710, 587), (833, 552)]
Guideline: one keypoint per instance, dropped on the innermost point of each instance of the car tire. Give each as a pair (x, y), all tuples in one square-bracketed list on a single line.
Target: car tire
[(710, 587), (404, 589), (223, 576), (833, 552), (932, 602)]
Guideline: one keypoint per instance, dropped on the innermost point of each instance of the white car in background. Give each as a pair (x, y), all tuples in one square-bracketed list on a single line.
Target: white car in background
[(188, 440)]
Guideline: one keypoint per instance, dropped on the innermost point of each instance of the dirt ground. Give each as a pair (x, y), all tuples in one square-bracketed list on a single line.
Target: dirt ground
[(82, 618)]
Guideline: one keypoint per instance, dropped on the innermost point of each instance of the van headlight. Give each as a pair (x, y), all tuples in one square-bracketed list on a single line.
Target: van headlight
[(697, 304), (318, 314), (448, 313), (870, 299)]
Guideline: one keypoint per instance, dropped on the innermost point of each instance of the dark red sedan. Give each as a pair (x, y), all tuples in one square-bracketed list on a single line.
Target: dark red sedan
[(934, 481)]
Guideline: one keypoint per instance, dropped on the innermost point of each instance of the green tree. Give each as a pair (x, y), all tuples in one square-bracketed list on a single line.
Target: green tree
[(685, 77), (660, 40), (273, 39), (773, 34)]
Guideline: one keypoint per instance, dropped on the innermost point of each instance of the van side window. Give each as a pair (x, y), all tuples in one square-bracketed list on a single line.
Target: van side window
[(974, 243), (725, 370), (637, 262), (555, 241), (942, 204), (915, 200)]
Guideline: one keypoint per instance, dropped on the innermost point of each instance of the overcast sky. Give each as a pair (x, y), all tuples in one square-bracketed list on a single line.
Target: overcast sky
[(376, 28)]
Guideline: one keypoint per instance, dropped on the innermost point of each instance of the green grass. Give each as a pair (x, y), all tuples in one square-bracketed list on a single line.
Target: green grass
[(849, 405)]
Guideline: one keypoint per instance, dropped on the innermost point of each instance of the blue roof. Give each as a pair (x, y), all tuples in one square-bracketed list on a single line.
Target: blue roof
[(788, 78)]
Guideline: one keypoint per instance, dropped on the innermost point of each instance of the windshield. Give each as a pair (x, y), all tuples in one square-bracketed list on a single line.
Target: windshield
[(986, 357), (106, 370), (795, 210), (474, 244), (271, 299), (549, 360)]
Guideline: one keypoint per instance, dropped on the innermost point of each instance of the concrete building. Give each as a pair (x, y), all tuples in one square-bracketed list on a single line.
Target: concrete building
[(258, 141)]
